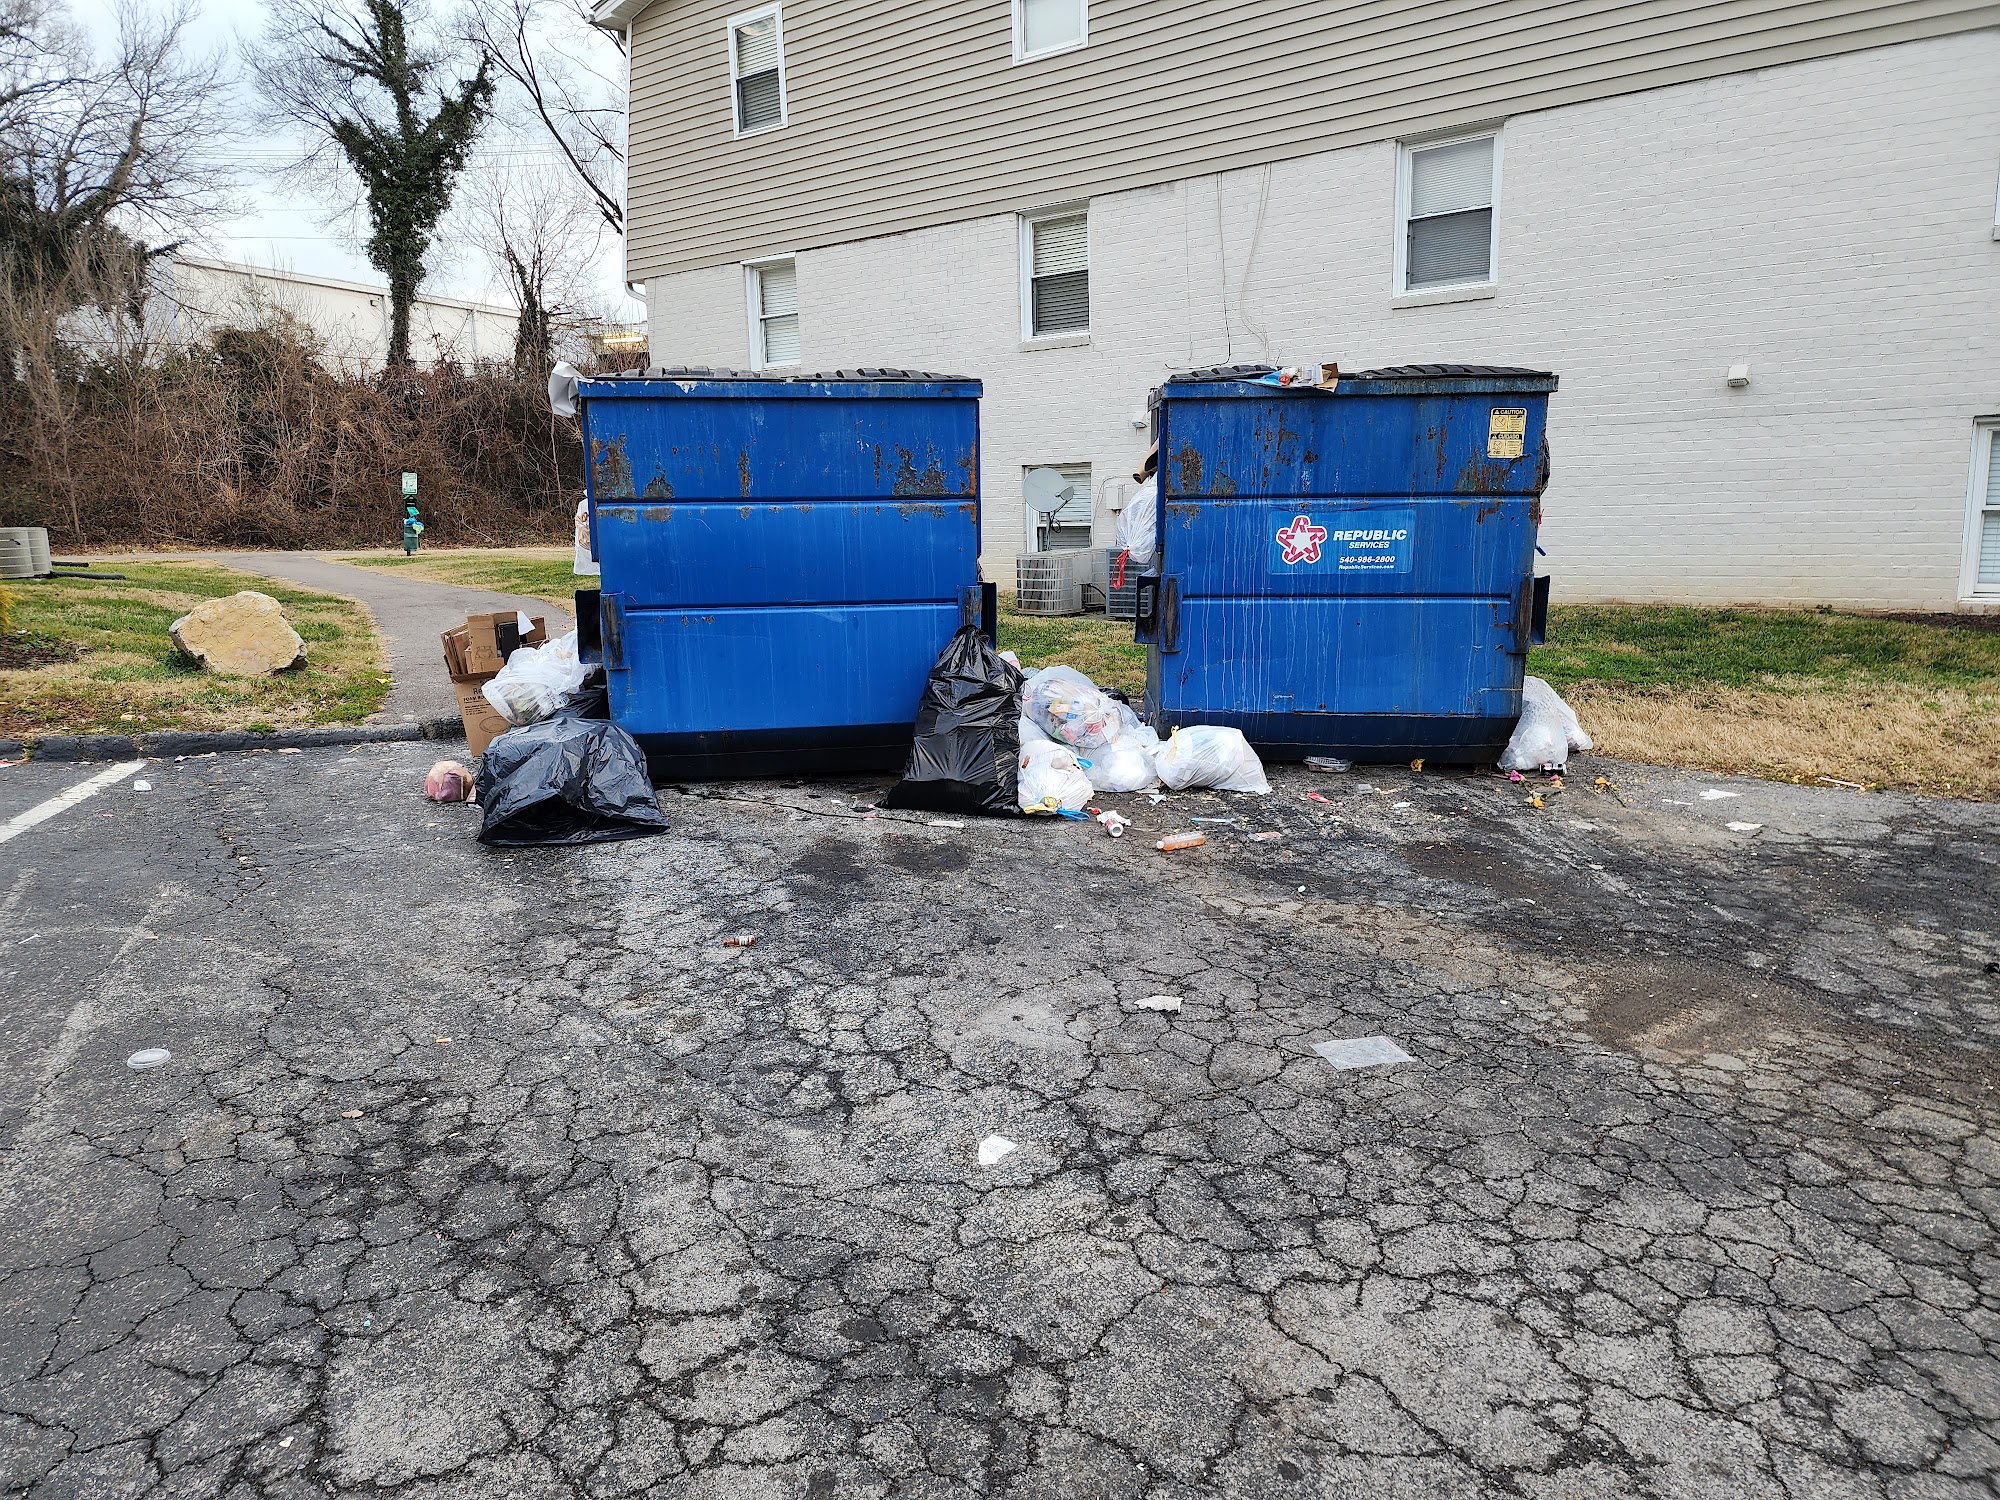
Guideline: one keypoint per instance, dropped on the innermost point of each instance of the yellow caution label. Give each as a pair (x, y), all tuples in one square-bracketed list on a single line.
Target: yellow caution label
[(1507, 432)]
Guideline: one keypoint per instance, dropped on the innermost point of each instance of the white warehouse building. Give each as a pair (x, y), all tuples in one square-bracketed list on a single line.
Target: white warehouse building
[(1758, 241)]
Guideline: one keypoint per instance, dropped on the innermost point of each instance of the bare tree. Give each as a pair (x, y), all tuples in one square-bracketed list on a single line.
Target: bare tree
[(99, 153), (540, 232), (564, 78), (348, 72)]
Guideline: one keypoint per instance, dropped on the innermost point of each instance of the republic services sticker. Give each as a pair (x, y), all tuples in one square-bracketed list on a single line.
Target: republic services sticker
[(1506, 432)]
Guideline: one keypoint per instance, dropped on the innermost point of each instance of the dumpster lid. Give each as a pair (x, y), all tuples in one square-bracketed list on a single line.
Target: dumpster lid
[(1392, 379)]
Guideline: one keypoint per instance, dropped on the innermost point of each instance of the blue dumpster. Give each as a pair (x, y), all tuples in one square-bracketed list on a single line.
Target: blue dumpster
[(1348, 571), (783, 559)]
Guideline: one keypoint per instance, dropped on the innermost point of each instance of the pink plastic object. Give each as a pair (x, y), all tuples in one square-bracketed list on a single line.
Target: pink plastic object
[(448, 781)]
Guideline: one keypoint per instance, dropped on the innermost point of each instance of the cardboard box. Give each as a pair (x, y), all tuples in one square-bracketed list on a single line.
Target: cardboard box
[(473, 655)]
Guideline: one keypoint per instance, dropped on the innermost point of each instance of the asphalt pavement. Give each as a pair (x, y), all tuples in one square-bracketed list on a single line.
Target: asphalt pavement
[(489, 1174)]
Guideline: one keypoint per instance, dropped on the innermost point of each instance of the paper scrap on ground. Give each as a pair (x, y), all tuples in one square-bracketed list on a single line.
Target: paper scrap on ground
[(993, 1148), (142, 786), (1399, 806), (1744, 827), (1716, 794), (1362, 1052), (1159, 1002), (943, 823)]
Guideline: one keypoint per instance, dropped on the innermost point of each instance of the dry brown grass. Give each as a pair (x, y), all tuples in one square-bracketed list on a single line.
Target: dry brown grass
[(1940, 740)]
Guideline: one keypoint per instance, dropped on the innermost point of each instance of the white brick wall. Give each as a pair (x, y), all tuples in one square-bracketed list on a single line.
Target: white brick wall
[(1830, 223)]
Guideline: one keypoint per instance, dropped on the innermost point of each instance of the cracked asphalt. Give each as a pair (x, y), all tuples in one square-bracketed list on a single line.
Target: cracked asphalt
[(493, 1174)]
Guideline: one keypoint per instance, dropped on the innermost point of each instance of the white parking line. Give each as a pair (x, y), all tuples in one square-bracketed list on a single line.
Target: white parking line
[(20, 823)]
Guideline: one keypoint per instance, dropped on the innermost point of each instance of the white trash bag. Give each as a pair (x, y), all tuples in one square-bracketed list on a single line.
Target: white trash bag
[(1137, 533), (1033, 733), (1069, 708), (1121, 766), (536, 681), (584, 564), (1050, 779), (1546, 734), (1210, 755)]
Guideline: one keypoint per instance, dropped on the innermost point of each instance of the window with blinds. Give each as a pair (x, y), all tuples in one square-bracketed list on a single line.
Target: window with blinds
[(757, 68), (1985, 568), (774, 290), (1448, 221), (1056, 250), (1049, 26)]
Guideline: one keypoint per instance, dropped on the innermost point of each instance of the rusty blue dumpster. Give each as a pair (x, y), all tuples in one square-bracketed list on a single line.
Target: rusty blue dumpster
[(1348, 569), (783, 559)]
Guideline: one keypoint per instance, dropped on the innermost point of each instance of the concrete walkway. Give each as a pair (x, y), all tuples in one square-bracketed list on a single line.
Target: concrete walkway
[(410, 612)]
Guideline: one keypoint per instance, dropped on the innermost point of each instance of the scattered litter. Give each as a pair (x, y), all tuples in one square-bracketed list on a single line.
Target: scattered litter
[(148, 1058), (1676, 802), (1852, 786), (962, 759), (1114, 823), (1546, 734), (1364, 788), (287, 1442), (350, 1114), (1211, 755), (1716, 794), (1329, 764), (27, 940), (1514, 776), (993, 1148), (1302, 890), (1417, 764), (142, 786), (741, 940), (291, 752), (1399, 806), (443, 1041), (1535, 799), (1159, 1002), (862, 806), (1181, 841), (1316, 797), (943, 823), (1744, 827), (448, 781), (1265, 838), (1211, 820), (1156, 798), (1362, 1052)]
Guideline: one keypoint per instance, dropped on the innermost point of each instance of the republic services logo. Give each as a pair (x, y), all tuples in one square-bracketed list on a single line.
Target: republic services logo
[(1301, 540)]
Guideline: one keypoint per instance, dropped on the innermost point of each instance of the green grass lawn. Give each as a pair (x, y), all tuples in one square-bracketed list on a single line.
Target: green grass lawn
[(1647, 646), (538, 572), (94, 657)]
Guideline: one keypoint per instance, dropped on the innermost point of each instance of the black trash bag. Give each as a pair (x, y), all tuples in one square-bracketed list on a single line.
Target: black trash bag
[(566, 780), (967, 753)]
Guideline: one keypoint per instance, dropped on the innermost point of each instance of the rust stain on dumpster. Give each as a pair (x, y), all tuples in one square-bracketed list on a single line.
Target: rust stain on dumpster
[(911, 482), (610, 472), (743, 472), (1189, 459)]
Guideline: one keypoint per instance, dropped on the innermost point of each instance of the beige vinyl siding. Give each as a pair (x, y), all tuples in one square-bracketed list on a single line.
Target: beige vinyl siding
[(900, 117)]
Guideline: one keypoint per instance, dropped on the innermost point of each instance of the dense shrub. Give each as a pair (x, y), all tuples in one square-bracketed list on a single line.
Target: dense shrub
[(251, 440)]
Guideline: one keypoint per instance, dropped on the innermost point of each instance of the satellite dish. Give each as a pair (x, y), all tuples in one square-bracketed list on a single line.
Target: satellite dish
[(1047, 490)]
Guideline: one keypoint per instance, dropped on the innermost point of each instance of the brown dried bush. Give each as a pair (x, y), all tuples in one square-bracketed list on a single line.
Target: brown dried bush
[(251, 439)]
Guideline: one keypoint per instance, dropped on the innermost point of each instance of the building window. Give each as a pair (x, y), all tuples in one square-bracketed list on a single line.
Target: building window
[(1045, 26), (1069, 525), (1055, 263), (1982, 536), (1446, 193), (773, 288), (757, 69)]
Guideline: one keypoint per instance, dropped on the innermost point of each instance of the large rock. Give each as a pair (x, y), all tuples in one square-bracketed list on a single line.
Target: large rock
[(245, 635)]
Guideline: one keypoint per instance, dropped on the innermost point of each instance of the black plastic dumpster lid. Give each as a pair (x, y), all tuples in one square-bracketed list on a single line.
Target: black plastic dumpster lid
[(703, 372), (1385, 380)]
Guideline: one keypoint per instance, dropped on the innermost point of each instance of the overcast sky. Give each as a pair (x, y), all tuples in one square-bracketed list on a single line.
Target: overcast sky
[(284, 227)]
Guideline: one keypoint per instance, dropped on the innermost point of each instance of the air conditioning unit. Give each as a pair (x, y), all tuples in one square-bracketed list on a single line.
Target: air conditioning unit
[(1121, 600), (1048, 583)]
